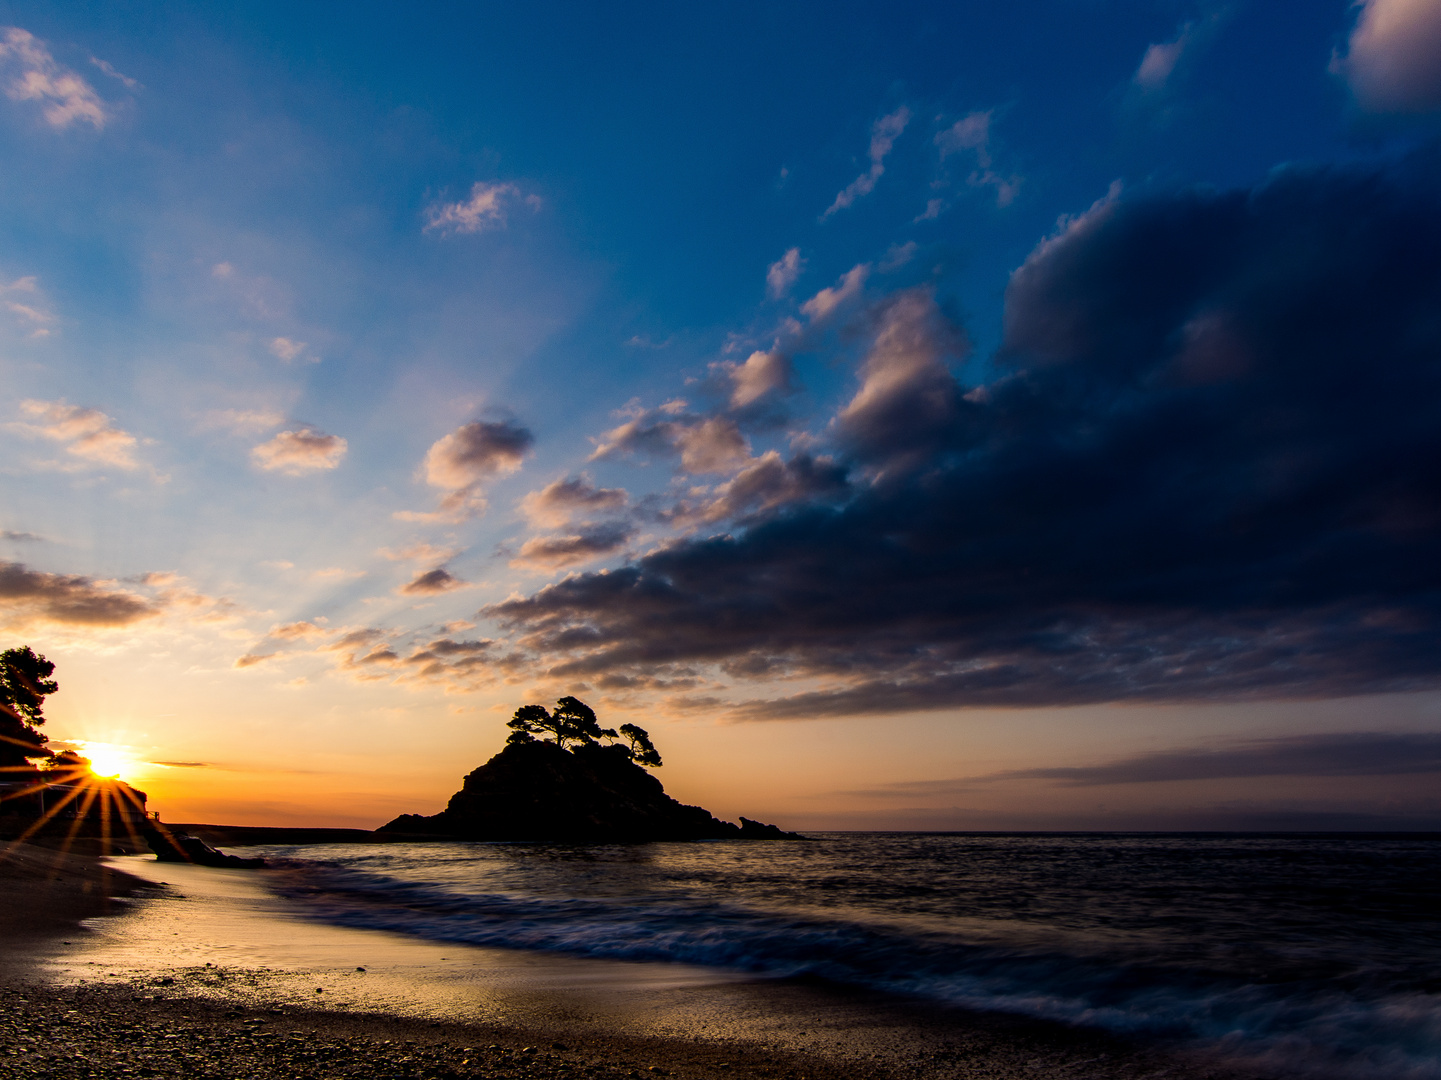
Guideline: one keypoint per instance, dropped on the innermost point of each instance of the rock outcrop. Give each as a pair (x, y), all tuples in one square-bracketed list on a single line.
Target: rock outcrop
[(592, 794), (172, 845)]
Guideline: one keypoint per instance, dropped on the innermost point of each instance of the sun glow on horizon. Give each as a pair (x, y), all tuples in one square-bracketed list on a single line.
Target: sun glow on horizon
[(108, 760)]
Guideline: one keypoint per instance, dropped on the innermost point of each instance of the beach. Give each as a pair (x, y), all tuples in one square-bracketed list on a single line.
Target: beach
[(210, 974)]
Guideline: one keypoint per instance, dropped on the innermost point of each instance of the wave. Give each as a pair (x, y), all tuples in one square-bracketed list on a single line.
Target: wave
[(1362, 1026)]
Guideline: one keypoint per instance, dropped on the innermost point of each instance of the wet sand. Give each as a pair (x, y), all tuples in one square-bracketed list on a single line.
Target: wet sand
[(211, 959)]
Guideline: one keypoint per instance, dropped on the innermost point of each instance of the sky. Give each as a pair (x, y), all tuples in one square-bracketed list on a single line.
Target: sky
[(967, 416)]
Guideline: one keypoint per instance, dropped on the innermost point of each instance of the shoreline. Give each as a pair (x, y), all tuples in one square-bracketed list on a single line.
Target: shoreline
[(245, 955)]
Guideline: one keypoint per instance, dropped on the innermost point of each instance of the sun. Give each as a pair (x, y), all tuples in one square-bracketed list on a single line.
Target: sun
[(106, 759)]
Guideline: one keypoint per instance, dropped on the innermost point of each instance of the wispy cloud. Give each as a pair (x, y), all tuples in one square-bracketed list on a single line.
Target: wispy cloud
[(298, 631), (124, 80), (33, 75), (301, 451), (420, 552), (487, 208), (828, 301), (23, 300), (1346, 754), (286, 349), (972, 134), (88, 434), (884, 133), (243, 421)]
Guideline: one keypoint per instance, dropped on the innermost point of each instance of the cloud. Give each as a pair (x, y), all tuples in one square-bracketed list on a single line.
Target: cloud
[(897, 256), (557, 552), (454, 665), (764, 373), (298, 631), (769, 481), (66, 98), (124, 80), (825, 303), (973, 133), (285, 349), (370, 655), (420, 552), (21, 537), (432, 583), (88, 434), (22, 299), (783, 273), (908, 403), (487, 208), (301, 451), (1203, 469), (884, 133), (705, 444), (1393, 58), (243, 421), (335, 573), (459, 463), (934, 209), (1159, 61), (1346, 754), (32, 596), (252, 659), (572, 497)]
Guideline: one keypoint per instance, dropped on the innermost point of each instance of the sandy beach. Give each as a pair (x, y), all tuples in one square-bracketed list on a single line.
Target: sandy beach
[(128, 967)]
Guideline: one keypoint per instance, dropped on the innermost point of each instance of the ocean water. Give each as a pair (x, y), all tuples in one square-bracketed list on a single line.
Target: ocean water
[(1317, 954)]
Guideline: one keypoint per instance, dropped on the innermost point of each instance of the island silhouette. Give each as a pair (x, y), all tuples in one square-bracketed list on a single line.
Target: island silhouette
[(563, 777)]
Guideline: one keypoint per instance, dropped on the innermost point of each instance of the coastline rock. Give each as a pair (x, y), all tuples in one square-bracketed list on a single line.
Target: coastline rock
[(592, 794), (171, 845)]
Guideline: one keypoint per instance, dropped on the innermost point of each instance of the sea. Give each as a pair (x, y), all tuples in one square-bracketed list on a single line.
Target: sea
[(1319, 953)]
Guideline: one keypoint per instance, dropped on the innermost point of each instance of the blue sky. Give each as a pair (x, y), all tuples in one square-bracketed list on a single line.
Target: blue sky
[(335, 337)]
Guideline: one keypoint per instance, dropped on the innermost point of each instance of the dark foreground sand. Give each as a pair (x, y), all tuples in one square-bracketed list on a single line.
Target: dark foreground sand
[(126, 996)]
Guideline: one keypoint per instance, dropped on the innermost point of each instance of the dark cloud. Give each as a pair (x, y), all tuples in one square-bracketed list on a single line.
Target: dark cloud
[(1348, 754), (453, 664), (432, 583), (31, 595), (21, 537), (1208, 466)]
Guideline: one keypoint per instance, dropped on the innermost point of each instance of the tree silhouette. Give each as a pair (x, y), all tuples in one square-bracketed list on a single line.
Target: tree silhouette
[(642, 750), (573, 721), (24, 684)]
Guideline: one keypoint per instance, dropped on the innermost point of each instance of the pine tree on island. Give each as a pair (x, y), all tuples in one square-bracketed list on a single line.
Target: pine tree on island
[(573, 721)]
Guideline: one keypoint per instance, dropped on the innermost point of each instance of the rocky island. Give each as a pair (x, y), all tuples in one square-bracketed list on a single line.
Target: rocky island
[(568, 785)]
